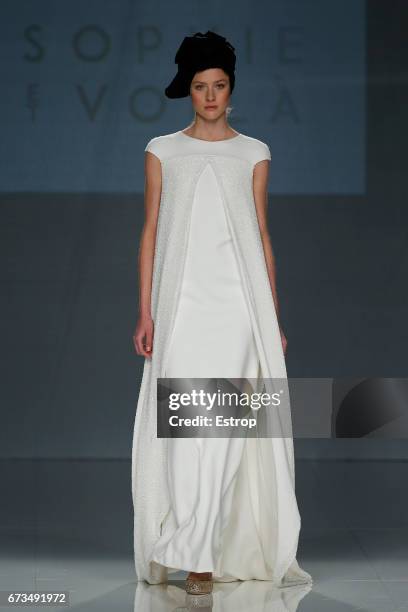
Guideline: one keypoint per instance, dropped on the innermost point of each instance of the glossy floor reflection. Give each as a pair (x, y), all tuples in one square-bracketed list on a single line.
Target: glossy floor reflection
[(68, 526), (229, 597)]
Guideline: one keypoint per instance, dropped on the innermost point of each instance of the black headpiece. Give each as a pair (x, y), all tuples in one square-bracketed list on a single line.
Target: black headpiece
[(199, 52)]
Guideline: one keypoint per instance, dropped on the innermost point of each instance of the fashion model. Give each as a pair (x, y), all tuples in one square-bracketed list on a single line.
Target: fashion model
[(222, 509)]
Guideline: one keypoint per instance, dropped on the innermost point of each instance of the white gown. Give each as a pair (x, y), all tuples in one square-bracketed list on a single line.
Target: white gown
[(212, 525), (225, 505)]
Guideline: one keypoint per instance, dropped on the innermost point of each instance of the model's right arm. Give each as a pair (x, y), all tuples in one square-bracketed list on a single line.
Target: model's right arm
[(152, 193)]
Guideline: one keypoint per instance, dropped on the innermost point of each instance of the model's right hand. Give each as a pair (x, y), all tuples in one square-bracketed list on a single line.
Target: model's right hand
[(143, 336)]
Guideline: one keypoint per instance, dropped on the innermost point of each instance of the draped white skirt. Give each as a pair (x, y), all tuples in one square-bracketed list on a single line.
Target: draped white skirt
[(215, 486)]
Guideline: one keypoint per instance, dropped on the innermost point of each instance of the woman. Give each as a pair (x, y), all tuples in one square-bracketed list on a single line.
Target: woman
[(222, 509)]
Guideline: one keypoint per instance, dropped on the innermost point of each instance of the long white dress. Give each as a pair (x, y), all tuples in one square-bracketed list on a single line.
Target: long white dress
[(217, 520), (212, 337)]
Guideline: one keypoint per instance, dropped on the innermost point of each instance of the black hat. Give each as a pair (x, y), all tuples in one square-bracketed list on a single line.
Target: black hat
[(199, 52)]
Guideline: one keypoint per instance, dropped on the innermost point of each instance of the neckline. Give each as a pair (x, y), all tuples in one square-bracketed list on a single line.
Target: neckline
[(209, 141)]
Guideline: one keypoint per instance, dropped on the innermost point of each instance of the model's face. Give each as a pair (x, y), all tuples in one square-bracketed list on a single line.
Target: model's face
[(210, 92)]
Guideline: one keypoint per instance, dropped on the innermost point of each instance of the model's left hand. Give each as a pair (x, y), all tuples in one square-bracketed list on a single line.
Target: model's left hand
[(284, 341)]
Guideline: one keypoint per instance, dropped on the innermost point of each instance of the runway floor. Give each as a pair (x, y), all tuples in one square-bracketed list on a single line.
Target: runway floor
[(67, 525)]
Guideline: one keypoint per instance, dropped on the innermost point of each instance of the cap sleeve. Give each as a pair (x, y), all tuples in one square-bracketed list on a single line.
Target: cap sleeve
[(262, 152), (154, 146)]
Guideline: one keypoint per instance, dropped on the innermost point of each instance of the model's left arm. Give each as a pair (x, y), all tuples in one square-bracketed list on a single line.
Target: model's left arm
[(260, 187)]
